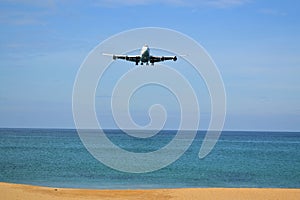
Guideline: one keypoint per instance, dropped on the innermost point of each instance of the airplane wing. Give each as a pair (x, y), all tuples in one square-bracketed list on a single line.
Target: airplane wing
[(135, 59), (154, 59)]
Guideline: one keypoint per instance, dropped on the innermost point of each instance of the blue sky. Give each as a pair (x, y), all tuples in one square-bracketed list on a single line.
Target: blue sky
[(255, 44)]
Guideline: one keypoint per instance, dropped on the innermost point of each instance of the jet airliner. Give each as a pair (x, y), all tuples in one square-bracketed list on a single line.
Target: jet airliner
[(144, 57)]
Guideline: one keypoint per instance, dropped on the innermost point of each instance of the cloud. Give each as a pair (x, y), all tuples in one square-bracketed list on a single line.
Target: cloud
[(225, 3), (183, 3), (44, 3), (20, 17), (25, 12), (270, 11), (115, 3)]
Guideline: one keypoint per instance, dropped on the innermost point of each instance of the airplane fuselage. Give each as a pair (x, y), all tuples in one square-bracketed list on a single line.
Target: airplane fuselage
[(145, 54)]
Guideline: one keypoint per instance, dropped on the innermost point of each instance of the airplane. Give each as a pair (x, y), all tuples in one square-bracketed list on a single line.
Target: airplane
[(144, 57)]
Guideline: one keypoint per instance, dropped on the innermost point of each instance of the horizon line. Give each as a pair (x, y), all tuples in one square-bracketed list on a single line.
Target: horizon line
[(224, 130)]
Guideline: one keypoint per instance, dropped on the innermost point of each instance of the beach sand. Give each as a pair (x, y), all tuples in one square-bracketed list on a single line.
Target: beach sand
[(10, 191)]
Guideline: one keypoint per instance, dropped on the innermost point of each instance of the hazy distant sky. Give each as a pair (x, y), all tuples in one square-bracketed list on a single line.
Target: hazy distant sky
[(255, 44)]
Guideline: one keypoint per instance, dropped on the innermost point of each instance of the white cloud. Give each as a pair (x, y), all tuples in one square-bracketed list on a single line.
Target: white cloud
[(185, 3), (270, 11), (44, 3), (225, 3), (25, 12)]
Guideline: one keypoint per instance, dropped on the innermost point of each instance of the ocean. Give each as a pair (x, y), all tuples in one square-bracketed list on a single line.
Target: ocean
[(57, 158)]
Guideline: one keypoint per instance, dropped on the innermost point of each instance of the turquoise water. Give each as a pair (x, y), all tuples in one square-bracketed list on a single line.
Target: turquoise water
[(57, 158)]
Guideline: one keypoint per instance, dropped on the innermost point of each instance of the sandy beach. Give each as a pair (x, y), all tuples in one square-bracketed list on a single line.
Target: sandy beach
[(10, 191)]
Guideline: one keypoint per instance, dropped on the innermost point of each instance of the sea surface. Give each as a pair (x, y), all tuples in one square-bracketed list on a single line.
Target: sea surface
[(57, 158)]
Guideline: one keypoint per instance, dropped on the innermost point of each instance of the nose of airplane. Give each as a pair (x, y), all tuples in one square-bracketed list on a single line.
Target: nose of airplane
[(145, 48)]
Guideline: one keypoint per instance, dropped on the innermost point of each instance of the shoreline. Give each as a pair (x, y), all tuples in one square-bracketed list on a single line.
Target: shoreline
[(11, 191)]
